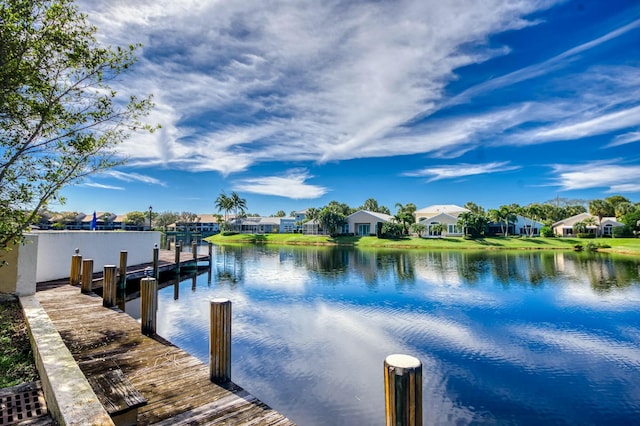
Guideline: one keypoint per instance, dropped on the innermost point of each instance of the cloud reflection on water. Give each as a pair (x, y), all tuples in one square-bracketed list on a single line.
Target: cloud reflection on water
[(510, 337)]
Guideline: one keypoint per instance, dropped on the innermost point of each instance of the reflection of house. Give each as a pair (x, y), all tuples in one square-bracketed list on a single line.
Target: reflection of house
[(445, 214), (522, 226), (565, 227), (364, 222)]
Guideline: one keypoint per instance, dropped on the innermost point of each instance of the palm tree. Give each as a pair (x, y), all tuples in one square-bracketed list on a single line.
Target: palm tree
[(600, 208), (238, 204), (590, 221), (224, 203), (437, 228), (405, 216)]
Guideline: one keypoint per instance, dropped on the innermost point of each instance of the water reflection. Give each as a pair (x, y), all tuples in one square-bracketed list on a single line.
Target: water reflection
[(523, 338)]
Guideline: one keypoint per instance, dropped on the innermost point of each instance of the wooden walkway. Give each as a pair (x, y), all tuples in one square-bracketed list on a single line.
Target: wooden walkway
[(175, 384)]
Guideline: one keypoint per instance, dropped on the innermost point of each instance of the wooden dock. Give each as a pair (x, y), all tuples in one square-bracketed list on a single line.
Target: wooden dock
[(175, 384), (166, 262)]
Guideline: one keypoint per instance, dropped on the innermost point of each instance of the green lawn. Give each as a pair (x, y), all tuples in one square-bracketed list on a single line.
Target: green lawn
[(619, 245)]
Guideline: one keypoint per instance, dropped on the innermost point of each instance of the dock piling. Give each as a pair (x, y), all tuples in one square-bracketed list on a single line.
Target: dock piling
[(156, 258), (403, 390), (177, 259), (220, 341), (109, 286), (148, 302), (87, 276), (123, 269), (210, 254), (76, 267)]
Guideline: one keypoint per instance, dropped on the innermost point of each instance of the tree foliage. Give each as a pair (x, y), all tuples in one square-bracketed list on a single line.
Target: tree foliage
[(59, 118)]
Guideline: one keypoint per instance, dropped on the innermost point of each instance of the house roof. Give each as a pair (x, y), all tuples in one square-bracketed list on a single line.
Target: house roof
[(436, 209), (440, 218), (570, 221), (381, 216)]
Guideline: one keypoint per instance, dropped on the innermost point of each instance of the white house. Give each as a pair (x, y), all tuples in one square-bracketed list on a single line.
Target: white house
[(522, 226), (564, 227), (365, 223), (445, 214)]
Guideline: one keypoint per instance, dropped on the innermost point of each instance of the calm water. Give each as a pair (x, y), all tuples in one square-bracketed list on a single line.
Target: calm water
[(504, 338)]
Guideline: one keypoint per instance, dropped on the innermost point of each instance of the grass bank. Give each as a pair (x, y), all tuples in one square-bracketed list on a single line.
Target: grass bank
[(16, 360), (617, 245)]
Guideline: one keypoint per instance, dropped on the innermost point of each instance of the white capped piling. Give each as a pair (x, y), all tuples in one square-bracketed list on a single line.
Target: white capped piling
[(403, 390), (220, 341), (76, 268), (194, 252), (87, 276), (177, 258), (122, 282), (109, 286), (156, 259), (148, 302)]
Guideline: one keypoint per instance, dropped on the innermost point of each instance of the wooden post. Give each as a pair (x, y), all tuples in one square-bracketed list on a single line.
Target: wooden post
[(177, 259), (109, 286), (210, 253), (220, 341), (194, 251), (76, 268), (156, 258), (87, 276), (123, 269), (148, 308), (403, 390)]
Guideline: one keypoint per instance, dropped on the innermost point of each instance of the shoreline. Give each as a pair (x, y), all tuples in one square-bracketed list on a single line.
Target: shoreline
[(626, 246)]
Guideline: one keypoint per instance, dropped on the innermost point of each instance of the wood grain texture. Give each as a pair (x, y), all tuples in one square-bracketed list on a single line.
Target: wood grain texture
[(175, 384)]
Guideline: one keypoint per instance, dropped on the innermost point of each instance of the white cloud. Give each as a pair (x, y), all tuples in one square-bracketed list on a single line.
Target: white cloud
[(101, 186), (460, 170), (594, 126), (617, 178), (292, 185), (625, 139), (133, 177), (314, 81)]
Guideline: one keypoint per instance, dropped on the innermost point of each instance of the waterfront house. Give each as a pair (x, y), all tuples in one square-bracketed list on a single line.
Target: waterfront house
[(522, 226), (445, 214), (364, 222), (565, 227)]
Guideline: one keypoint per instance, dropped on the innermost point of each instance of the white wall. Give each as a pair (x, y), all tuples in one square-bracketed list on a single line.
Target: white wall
[(18, 276), (55, 249)]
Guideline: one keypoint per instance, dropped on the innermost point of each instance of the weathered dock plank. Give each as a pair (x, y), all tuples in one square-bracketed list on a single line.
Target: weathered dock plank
[(175, 384)]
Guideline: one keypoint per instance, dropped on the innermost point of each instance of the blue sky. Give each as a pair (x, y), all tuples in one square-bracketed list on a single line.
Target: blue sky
[(293, 104)]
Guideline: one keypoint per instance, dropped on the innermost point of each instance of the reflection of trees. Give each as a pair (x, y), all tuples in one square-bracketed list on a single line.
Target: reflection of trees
[(606, 272), (229, 264), (530, 268)]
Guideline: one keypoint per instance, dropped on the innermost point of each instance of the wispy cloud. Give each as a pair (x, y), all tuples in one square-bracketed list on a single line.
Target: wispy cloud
[(133, 177), (542, 68), (460, 170), (313, 81), (599, 174), (101, 186), (291, 185), (625, 139)]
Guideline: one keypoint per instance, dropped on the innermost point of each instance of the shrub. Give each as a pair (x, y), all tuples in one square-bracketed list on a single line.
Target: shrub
[(592, 246), (229, 233), (622, 232), (547, 232), (586, 235)]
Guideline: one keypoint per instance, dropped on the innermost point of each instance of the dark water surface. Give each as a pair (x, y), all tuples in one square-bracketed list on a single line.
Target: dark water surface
[(504, 337)]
